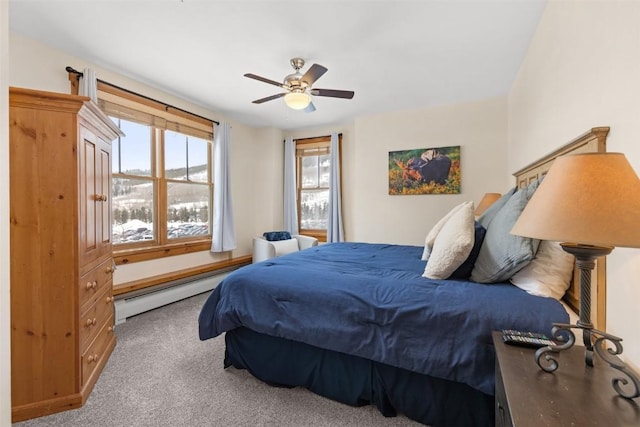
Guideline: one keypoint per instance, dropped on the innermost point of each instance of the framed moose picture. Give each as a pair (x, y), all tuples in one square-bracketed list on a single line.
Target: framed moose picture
[(425, 171)]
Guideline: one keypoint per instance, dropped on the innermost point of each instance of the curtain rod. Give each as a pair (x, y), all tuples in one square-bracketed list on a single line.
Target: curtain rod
[(79, 73), (313, 137)]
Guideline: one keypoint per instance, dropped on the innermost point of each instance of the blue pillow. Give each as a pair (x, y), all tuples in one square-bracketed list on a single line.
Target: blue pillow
[(488, 215), (464, 271), (274, 236), (502, 254)]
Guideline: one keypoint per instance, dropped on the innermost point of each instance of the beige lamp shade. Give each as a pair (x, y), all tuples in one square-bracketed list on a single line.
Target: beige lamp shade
[(589, 199), (487, 200)]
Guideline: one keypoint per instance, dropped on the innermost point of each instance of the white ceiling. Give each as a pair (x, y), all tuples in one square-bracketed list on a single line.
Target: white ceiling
[(394, 54)]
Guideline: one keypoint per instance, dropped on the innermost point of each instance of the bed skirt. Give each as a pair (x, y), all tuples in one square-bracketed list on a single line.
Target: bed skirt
[(357, 381)]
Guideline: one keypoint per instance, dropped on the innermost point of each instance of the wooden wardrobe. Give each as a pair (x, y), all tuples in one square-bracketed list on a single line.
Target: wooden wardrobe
[(61, 264)]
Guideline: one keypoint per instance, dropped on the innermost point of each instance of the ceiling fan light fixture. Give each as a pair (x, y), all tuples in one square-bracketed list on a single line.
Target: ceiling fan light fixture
[(299, 87), (297, 100)]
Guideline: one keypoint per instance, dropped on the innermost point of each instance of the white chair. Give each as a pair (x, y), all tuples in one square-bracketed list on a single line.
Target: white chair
[(263, 249)]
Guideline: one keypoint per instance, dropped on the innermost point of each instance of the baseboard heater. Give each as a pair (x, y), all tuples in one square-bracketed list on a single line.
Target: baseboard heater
[(133, 303)]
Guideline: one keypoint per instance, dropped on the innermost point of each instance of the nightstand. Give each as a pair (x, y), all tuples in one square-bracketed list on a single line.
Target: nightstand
[(574, 395)]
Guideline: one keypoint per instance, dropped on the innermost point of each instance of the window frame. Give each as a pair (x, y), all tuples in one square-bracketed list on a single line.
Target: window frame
[(171, 118), (320, 142)]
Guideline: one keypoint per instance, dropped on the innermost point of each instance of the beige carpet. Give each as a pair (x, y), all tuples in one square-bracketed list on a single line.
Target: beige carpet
[(161, 374)]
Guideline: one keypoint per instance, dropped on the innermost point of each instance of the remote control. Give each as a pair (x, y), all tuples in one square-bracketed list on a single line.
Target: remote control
[(525, 339), (523, 334)]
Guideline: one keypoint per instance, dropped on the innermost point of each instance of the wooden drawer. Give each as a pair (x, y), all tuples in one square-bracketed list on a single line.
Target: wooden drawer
[(503, 417), (92, 284), (92, 320), (93, 356)]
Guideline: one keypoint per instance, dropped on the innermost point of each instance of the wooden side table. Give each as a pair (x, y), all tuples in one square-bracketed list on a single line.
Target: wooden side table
[(574, 395)]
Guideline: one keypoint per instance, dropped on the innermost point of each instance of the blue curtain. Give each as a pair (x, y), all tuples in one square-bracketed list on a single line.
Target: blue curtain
[(335, 232), (224, 234), (290, 191), (88, 84)]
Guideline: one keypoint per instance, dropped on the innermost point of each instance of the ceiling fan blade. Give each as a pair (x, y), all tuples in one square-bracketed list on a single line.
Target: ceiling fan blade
[(265, 80), (310, 108), (314, 73), (347, 94), (269, 98)]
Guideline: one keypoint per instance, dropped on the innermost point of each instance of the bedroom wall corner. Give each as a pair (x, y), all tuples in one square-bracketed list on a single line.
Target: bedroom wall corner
[(266, 189), (479, 128), (5, 303), (581, 71)]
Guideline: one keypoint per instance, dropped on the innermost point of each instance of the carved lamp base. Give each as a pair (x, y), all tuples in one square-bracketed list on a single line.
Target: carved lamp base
[(546, 360), (586, 256)]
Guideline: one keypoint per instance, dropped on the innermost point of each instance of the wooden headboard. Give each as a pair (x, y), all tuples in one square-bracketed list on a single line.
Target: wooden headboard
[(593, 141)]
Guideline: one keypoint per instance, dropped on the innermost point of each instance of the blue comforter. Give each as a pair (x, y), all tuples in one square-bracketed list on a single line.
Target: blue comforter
[(370, 300)]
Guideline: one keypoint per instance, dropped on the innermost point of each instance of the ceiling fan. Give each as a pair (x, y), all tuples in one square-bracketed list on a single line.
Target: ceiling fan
[(298, 87)]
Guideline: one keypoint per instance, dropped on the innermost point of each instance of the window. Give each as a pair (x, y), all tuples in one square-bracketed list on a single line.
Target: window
[(313, 165), (188, 185), (136, 185), (162, 184), (132, 184)]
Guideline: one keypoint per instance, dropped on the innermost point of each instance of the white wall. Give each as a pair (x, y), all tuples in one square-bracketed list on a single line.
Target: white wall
[(480, 128), (370, 214), (5, 320), (265, 161), (254, 152), (583, 70)]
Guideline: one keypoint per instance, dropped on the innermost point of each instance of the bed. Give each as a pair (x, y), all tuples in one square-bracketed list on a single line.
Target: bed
[(358, 323)]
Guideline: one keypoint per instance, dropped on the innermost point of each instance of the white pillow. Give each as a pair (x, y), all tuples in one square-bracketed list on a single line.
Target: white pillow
[(433, 233), (284, 247), (453, 244), (548, 274)]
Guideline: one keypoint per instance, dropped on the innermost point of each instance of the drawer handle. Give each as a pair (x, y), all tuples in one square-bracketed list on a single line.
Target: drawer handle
[(502, 415), (109, 270), (91, 285), (92, 358), (111, 328), (109, 299), (91, 322)]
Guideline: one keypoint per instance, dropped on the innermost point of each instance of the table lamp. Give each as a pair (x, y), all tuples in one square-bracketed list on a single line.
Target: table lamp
[(590, 203), (487, 200)]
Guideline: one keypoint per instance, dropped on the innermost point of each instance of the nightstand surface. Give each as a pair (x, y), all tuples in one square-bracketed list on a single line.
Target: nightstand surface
[(574, 395)]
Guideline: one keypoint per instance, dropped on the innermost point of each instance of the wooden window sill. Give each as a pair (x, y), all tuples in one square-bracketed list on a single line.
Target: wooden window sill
[(128, 256)]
